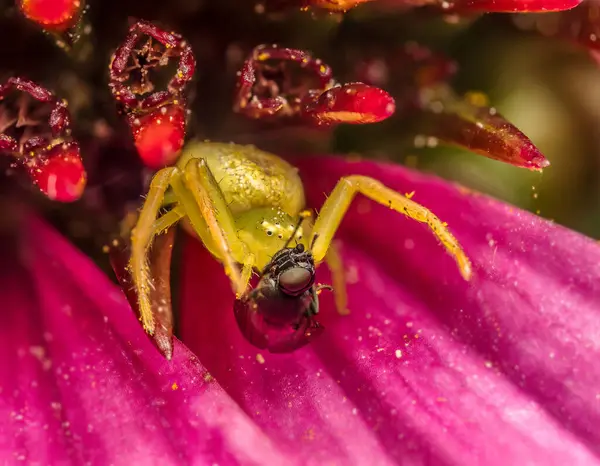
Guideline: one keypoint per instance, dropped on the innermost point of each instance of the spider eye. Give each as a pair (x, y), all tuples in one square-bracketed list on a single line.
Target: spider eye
[(295, 280)]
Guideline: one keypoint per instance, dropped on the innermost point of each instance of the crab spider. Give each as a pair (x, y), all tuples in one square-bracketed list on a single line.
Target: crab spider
[(247, 206)]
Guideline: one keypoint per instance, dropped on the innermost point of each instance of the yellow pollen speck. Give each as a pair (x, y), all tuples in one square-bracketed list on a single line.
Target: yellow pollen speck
[(410, 195), (174, 386), (398, 353), (465, 191), (477, 98), (260, 358), (309, 434)]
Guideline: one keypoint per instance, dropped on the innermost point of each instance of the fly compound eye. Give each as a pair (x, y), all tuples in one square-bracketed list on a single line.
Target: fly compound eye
[(295, 280)]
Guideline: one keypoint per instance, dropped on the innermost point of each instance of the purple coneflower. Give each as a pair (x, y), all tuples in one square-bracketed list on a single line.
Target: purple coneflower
[(426, 369)]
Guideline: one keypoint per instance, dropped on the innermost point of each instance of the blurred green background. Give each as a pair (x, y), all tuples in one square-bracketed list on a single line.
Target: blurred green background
[(548, 88)]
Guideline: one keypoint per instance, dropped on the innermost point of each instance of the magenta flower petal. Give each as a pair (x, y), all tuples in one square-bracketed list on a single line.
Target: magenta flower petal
[(426, 369), (468, 122), (81, 383)]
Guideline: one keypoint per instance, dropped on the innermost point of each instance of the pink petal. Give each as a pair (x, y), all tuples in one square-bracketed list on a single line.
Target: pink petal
[(82, 384), (427, 369)]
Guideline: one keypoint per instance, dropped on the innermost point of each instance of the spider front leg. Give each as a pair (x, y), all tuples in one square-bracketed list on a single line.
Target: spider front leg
[(198, 196), (141, 238), (337, 204), (208, 212), (159, 261)]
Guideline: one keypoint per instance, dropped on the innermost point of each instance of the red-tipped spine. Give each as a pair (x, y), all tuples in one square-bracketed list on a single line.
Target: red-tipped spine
[(52, 158), (158, 120)]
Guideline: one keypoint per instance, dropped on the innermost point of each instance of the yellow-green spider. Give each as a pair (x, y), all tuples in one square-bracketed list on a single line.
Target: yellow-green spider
[(247, 207)]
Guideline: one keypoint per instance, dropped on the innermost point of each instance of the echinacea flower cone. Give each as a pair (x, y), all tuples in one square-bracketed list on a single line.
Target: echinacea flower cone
[(424, 368)]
